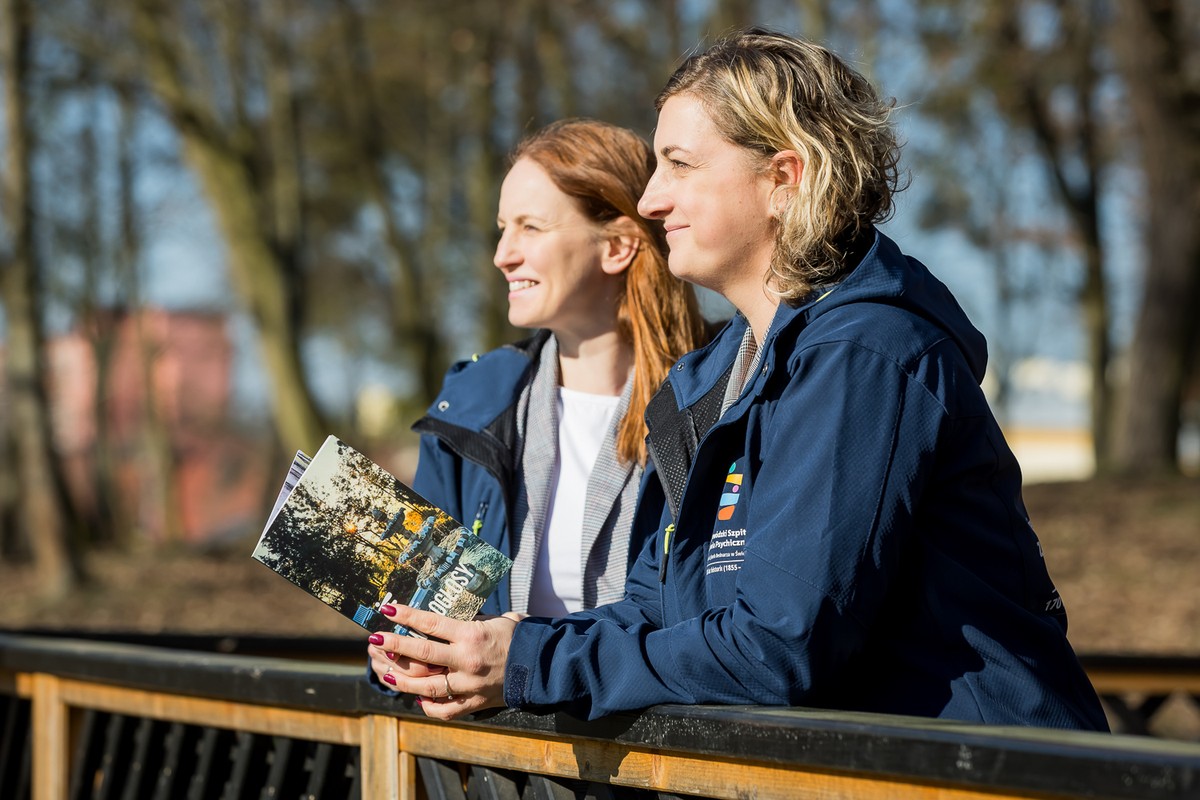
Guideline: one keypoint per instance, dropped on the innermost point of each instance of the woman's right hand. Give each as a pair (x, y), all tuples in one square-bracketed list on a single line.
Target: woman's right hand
[(458, 670)]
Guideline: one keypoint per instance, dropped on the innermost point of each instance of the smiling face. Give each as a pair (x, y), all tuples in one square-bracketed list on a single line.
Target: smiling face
[(553, 258), (714, 201)]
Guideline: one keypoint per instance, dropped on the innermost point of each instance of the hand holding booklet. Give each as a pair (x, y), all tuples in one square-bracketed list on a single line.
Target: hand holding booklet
[(353, 536)]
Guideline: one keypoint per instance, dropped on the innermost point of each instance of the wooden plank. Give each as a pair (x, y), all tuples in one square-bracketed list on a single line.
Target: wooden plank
[(380, 756), (317, 766), (208, 750), (622, 765), (408, 775), (51, 756), (310, 725), (173, 760), (249, 757), (114, 758), (1118, 680), (16, 684)]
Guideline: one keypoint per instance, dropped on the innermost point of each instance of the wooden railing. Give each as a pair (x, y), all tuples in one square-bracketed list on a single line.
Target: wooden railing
[(102, 719), (1136, 690)]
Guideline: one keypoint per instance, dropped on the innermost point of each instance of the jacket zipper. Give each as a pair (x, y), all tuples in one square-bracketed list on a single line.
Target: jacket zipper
[(480, 513), (662, 564)]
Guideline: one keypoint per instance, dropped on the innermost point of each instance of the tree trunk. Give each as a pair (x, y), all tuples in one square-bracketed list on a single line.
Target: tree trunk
[(263, 276), (1150, 44), (101, 326), (44, 510), (414, 294), (265, 286), (1081, 197), (483, 178)]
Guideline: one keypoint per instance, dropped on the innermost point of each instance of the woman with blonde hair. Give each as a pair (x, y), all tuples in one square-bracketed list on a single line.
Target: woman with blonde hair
[(838, 519)]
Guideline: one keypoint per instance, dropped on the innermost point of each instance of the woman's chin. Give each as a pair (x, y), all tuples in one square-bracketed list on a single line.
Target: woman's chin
[(690, 275), (518, 320)]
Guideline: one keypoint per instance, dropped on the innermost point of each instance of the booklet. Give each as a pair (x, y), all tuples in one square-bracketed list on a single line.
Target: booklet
[(347, 532)]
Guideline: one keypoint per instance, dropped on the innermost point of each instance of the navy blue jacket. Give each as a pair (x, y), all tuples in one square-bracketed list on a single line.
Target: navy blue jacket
[(469, 455), (849, 535)]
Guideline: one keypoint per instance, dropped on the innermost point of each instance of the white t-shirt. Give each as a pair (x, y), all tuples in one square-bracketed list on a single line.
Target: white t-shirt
[(583, 423)]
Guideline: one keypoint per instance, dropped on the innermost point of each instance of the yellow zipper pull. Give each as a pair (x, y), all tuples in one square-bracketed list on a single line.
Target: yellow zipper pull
[(662, 564)]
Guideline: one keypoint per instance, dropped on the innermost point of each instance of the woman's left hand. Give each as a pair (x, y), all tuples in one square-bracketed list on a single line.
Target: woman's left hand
[(473, 654)]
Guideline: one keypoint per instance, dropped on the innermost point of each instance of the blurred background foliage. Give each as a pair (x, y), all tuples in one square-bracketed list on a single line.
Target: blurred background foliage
[(317, 179)]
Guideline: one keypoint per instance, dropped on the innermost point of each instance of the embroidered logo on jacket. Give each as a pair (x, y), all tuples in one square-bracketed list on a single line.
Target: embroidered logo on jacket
[(732, 493)]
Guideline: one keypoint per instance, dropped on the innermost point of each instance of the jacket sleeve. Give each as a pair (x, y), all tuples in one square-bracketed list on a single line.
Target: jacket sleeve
[(842, 449), (640, 608)]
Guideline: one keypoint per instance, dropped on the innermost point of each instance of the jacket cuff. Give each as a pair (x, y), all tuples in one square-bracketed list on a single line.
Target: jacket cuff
[(522, 654), (516, 678)]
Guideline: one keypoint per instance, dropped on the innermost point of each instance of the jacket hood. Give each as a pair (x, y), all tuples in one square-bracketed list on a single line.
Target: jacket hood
[(885, 275)]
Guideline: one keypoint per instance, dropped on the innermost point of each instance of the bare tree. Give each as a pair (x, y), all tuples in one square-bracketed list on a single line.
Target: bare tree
[(1043, 81), (101, 327), (1157, 42), (375, 146), (45, 512), (245, 162)]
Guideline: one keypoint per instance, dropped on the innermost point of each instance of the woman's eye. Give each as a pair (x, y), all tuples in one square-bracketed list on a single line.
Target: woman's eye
[(679, 165)]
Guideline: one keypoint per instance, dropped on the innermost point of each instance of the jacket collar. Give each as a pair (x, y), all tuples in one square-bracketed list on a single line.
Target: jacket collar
[(477, 391)]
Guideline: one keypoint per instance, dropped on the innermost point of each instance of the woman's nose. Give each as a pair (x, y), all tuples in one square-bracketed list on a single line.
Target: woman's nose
[(653, 203), (506, 254)]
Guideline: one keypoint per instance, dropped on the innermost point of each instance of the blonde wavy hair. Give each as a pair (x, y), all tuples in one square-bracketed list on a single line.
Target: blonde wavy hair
[(768, 92), (604, 169)]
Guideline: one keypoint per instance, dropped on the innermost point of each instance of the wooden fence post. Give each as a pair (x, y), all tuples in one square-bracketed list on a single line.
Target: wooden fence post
[(51, 766), (379, 743)]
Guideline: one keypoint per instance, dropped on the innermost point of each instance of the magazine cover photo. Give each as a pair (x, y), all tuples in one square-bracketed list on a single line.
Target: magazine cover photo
[(356, 538)]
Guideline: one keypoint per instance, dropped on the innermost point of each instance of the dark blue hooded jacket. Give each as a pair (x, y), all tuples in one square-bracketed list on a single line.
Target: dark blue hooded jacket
[(850, 534), (469, 454)]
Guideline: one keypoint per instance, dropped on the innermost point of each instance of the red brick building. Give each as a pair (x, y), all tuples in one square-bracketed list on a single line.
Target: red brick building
[(180, 467)]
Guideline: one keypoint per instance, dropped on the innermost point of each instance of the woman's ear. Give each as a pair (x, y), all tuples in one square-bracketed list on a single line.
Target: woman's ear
[(621, 245), (786, 170)]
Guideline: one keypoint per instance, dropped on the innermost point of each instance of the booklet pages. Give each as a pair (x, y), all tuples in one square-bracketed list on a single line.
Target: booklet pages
[(356, 538)]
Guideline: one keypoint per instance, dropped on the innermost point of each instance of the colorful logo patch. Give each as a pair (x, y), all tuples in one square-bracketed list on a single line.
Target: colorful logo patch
[(729, 497)]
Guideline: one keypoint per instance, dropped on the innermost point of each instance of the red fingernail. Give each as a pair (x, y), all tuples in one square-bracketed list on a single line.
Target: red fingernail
[(390, 679), (387, 610), (376, 638), (391, 656)]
